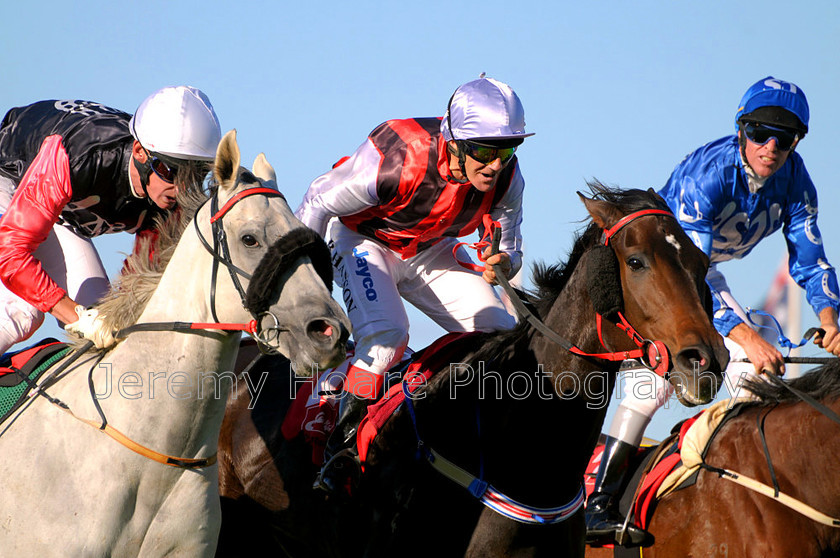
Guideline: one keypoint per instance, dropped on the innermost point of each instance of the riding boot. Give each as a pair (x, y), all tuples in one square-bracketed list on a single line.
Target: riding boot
[(340, 453), (604, 521)]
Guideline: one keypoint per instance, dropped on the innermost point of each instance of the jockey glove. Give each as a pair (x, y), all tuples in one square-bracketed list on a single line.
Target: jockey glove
[(91, 326)]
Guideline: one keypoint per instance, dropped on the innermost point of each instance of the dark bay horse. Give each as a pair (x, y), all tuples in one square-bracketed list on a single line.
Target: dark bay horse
[(513, 408), (718, 518)]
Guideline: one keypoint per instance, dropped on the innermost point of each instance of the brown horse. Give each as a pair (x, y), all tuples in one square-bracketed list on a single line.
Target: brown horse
[(718, 518), (515, 409)]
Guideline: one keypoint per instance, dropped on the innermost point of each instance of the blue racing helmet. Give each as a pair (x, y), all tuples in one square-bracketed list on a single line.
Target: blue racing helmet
[(764, 98)]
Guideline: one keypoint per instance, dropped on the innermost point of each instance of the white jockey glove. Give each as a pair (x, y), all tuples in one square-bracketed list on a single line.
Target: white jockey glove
[(91, 326)]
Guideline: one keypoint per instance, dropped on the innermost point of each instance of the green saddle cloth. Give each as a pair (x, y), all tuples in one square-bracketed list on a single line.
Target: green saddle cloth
[(20, 370)]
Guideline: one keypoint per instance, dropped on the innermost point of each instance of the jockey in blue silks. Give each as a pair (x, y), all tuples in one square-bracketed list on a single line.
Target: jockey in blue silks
[(729, 195)]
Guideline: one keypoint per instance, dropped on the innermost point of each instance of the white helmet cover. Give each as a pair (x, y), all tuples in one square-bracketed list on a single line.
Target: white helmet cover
[(178, 122), (484, 109)]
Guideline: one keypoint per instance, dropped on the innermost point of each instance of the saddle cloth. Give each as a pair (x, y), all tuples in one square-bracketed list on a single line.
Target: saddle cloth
[(423, 366), (315, 408), (314, 411), (20, 370), (678, 469), (670, 466)]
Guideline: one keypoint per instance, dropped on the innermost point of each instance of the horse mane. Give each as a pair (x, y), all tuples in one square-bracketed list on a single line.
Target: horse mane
[(820, 383), (133, 287), (549, 280)]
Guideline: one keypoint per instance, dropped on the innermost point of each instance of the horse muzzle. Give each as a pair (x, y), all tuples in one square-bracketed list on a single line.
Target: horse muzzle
[(698, 373)]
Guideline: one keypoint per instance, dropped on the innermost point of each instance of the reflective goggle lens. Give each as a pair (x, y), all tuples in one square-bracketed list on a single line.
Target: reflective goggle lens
[(486, 154), (762, 133), (166, 172)]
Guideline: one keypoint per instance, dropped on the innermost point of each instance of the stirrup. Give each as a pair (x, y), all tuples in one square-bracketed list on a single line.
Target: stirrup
[(324, 480), (623, 538)]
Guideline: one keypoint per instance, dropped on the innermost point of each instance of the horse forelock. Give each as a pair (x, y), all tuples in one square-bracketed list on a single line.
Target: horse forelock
[(629, 200), (822, 383)]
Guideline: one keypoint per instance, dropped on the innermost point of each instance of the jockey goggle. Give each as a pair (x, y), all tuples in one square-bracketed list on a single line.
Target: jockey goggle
[(762, 133), (486, 154), (166, 171)]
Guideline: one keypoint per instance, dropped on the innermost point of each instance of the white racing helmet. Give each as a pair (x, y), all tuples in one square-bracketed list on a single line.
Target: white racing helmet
[(177, 122), (484, 109)]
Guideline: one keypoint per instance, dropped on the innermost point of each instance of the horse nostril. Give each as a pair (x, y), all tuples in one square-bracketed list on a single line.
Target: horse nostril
[(320, 330), (694, 358)]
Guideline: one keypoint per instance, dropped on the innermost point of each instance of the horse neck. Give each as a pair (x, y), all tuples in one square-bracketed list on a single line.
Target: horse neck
[(573, 318), (582, 386), (185, 376)]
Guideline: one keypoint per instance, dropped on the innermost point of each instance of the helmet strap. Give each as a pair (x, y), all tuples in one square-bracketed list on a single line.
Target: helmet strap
[(462, 160), (144, 171)]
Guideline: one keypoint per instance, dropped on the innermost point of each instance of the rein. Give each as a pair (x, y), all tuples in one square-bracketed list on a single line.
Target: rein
[(252, 328), (774, 492), (652, 354)]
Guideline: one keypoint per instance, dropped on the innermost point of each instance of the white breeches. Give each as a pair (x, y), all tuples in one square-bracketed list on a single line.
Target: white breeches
[(373, 279)]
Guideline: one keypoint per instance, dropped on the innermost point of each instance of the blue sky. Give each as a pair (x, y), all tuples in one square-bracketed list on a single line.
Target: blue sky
[(618, 91)]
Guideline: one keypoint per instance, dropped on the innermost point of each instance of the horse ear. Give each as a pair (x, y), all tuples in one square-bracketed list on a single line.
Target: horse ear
[(603, 213), (227, 159), (656, 195), (264, 171)]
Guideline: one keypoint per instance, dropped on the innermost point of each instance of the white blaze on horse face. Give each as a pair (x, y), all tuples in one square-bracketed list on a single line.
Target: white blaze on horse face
[(672, 240)]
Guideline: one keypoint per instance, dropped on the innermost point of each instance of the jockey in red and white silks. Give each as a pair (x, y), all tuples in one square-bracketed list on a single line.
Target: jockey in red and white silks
[(392, 213), (73, 170), (383, 251)]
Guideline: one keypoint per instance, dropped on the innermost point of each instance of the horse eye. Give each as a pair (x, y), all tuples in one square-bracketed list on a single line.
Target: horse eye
[(635, 264), (250, 241)]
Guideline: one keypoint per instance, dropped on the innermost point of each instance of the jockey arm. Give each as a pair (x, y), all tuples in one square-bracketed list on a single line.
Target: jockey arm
[(43, 193), (808, 264), (508, 213), (348, 188), (696, 213)]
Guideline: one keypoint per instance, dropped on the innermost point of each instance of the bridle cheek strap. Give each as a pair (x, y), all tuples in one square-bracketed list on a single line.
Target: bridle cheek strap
[(652, 354)]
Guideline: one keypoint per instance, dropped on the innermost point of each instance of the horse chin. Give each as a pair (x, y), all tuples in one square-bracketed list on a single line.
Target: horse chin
[(305, 366), (692, 391), (306, 359)]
